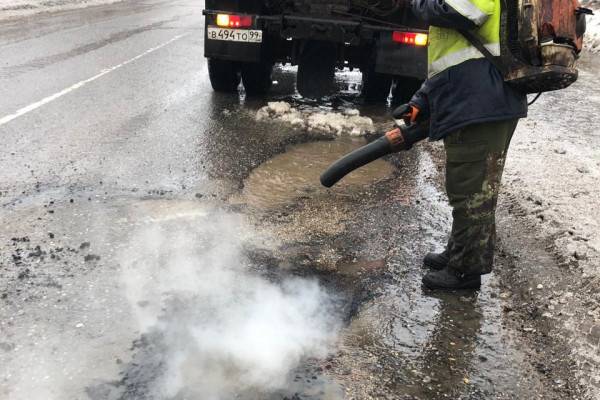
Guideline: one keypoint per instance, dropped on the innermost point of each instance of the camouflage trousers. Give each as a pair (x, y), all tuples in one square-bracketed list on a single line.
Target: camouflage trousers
[(475, 158)]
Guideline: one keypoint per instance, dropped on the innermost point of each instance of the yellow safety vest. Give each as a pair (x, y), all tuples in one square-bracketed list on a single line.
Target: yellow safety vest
[(447, 47)]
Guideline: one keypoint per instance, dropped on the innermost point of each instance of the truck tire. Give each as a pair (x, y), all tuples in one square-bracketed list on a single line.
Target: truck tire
[(257, 78), (404, 88), (224, 75), (316, 69), (375, 86)]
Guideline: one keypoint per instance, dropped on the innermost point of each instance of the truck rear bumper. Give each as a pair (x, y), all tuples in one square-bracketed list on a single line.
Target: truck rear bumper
[(391, 57)]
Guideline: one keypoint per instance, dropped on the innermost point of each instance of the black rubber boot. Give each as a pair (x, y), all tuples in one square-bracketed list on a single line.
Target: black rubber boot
[(436, 261), (451, 280)]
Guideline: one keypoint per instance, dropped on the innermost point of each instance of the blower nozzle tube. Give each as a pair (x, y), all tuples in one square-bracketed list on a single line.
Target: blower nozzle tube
[(355, 160), (394, 141)]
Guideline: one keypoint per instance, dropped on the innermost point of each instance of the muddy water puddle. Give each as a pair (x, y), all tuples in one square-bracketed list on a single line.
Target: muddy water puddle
[(295, 174)]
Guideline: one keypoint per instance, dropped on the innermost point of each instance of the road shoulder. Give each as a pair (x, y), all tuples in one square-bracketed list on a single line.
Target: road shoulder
[(13, 9), (545, 306)]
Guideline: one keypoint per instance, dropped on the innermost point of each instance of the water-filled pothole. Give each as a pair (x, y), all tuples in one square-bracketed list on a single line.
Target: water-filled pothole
[(295, 174)]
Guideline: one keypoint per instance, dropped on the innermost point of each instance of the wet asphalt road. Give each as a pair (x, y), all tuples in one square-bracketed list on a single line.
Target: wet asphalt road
[(115, 133), (123, 180), (125, 127)]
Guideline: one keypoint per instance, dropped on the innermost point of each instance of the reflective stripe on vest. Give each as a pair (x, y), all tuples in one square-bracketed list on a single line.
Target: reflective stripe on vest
[(448, 47), (469, 10), (460, 56)]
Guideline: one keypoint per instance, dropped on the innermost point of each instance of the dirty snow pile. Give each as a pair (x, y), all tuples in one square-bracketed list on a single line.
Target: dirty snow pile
[(225, 329), (553, 168), (348, 122), (553, 178), (562, 189), (592, 32), (19, 8)]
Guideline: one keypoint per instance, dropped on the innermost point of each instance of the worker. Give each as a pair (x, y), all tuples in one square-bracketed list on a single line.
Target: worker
[(469, 106)]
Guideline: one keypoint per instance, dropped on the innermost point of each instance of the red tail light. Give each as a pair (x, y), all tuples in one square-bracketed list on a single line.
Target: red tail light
[(234, 21), (410, 38)]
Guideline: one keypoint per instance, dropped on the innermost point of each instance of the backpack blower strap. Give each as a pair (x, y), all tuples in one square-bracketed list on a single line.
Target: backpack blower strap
[(478, 44)]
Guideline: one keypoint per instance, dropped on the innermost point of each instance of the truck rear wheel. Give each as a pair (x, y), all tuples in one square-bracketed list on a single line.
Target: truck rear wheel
[(404, 88), (316, 69), (224, 75), (375, 86), (257, 78)]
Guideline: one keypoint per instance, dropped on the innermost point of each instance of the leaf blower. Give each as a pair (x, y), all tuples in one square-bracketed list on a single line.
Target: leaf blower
[(540, 43), (399, 139)]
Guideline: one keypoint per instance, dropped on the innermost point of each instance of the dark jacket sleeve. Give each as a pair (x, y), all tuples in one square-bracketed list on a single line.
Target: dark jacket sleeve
[(441, 13), (419, 100)]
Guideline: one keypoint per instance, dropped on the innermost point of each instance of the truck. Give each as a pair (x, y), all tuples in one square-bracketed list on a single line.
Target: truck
[(245, 39)]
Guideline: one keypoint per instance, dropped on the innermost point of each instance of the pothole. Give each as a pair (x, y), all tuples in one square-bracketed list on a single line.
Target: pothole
[(294, 174)]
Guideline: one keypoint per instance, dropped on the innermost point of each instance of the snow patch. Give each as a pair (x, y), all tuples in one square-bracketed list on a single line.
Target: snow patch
[(562, 196), (22, 8), (592, 32), (348, 122)]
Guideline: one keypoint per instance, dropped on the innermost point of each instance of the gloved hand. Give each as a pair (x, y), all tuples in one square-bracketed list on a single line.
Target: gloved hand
[(407, 112), (404, 138)]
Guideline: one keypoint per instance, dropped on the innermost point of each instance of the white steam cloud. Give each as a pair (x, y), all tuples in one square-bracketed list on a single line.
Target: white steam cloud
[(227, 328)]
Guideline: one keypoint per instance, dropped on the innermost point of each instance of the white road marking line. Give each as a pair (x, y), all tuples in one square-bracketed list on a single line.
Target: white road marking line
[(105, 71)]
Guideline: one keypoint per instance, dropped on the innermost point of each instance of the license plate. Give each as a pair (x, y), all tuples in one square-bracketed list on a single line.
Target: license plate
[(234, 35)]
